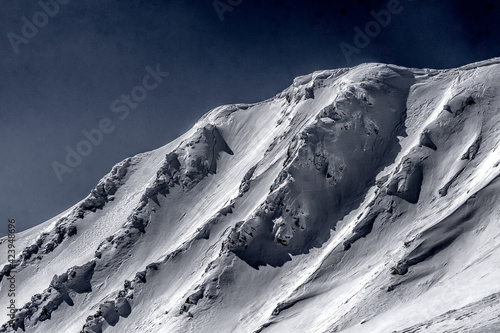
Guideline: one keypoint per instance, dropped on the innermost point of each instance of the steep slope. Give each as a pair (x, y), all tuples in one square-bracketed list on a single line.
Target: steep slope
[(357, 200)]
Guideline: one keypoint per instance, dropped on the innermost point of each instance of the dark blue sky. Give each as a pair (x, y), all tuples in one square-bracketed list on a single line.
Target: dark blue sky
[(64, 78)]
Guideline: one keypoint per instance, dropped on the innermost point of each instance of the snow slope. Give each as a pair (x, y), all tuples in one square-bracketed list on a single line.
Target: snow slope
[(360, 199)]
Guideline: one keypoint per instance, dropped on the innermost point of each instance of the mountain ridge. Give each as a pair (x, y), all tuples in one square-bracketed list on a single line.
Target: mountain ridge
[(261, 212)]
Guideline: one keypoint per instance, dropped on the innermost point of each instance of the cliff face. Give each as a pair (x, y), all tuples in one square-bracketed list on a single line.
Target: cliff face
[(357, 200)]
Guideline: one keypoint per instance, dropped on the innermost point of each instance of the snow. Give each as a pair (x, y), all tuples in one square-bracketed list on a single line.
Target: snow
[(360, 199)]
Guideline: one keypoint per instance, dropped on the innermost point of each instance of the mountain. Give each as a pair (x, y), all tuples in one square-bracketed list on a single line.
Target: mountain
[(361, 199)]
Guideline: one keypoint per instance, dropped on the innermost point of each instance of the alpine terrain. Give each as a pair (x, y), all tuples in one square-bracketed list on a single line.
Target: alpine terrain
[(361, 199)]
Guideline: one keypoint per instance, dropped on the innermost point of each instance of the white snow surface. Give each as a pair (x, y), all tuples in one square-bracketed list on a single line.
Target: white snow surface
[(361, 199)]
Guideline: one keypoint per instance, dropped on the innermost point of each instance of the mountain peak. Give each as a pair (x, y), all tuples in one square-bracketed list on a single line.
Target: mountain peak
[(356, 200)]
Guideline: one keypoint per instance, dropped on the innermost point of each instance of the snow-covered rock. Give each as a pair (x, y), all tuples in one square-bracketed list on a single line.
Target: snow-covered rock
[(361, 199)]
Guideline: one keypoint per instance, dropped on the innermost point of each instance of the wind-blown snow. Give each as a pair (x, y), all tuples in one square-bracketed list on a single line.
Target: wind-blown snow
[(361, 199)]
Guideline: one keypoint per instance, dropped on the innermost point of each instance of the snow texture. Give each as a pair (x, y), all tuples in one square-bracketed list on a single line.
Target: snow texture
[(361, 199)]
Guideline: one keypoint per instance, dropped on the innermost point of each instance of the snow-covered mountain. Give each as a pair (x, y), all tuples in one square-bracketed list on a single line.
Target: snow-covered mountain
[(361, 199)]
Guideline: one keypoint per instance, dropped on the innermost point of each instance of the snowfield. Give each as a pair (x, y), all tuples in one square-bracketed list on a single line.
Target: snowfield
[(361, 199)]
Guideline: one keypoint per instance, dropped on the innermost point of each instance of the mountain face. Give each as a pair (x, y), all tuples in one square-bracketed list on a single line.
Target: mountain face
[(362, 199)]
